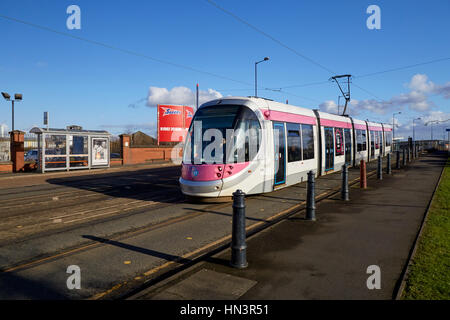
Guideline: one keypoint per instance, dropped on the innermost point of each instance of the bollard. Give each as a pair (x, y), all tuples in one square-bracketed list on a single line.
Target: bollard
[(310, 198), (363, 175), (380, 168), (397, 165), (388, 165), (238, 245), (404, 157), (344, 189)]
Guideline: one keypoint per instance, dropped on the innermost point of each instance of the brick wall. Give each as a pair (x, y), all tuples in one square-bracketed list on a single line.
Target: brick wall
[(6, 167), (115, 162), (149, 155), (138, 155)]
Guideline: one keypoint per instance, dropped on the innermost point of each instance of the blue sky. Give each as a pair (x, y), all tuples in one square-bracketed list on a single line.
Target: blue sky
[(93, 86)]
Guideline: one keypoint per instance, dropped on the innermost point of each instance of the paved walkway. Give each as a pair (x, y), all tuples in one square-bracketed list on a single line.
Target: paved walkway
[(328, 258)]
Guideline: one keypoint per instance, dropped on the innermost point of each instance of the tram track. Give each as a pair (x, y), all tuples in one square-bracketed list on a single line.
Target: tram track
[(117, 236), (26, 224), (51, 194), (169, 268)]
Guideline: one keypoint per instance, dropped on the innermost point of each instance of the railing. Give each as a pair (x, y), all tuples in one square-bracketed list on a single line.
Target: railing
[(4, 149)]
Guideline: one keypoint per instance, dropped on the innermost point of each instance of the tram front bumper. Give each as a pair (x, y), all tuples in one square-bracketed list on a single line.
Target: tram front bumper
[(201, 188)]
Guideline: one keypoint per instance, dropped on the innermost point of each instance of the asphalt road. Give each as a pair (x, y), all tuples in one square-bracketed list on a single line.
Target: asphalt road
[(122, 228)]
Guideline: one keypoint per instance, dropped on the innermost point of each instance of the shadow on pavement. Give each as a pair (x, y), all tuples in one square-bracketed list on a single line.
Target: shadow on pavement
[(154, 253), (14, 287), (160, 184)]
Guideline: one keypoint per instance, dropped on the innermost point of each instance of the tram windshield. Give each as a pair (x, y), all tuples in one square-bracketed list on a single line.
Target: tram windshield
[(222, 134)]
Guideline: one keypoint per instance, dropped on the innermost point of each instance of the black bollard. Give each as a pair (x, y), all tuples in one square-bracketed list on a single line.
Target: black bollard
[(310, 198), (344, 189), (380, 168), (238, 244), (397, 165), (404, 157), (388, 165)]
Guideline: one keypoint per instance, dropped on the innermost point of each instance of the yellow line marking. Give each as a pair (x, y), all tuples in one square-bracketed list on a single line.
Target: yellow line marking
[(85, 211), (93, 216), (154, 270), (146, 229), (223, 239)]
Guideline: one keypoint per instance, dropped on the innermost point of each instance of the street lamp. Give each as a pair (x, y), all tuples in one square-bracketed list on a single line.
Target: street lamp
[(431, 126), (393, 125), (17, 97), (256, 77)]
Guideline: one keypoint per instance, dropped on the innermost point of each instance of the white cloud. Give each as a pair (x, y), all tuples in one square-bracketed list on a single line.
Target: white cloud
[(179, 96), (417, 99), (420, 83), (331, 107)]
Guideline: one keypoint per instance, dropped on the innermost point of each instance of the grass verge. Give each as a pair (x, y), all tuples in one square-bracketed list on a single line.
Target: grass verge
[(429, 273)]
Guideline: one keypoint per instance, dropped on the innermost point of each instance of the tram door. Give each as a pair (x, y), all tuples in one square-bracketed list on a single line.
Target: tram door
[(329, 149), (280, 152), (348, 146)]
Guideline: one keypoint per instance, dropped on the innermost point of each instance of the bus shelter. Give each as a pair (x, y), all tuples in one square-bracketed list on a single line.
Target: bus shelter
[(72, 148)]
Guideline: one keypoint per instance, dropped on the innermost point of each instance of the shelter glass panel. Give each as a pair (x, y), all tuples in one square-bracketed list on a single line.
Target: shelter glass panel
[(55, 144)]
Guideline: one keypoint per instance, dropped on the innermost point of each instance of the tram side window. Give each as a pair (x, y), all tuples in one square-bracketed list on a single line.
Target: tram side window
[(307, 141), (388, 135), (293, 142), (377, 139), (361, 140)]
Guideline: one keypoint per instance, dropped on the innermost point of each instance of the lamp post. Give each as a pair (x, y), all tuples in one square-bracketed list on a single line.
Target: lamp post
[(431, 126), (256, 75), (17, 97), (414, 134), (393, 125)]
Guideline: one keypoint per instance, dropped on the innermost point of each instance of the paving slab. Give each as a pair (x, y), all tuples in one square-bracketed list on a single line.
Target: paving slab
[(332, 257)]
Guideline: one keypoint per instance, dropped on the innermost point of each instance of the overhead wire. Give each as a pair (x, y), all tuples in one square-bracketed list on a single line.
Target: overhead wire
[(134, 53)]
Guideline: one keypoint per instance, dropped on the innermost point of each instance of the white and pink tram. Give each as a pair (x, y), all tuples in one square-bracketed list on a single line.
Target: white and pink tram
[(290, 142)]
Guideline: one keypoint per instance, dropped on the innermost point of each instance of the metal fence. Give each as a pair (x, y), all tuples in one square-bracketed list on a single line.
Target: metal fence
[(30, 141), (4, 149)]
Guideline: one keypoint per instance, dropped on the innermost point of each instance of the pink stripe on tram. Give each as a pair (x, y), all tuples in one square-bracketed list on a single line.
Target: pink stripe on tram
[(360, 126), (288, 117), (335, 123)]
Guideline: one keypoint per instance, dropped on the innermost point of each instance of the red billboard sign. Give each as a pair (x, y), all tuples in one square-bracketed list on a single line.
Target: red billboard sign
[(173, 122)]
